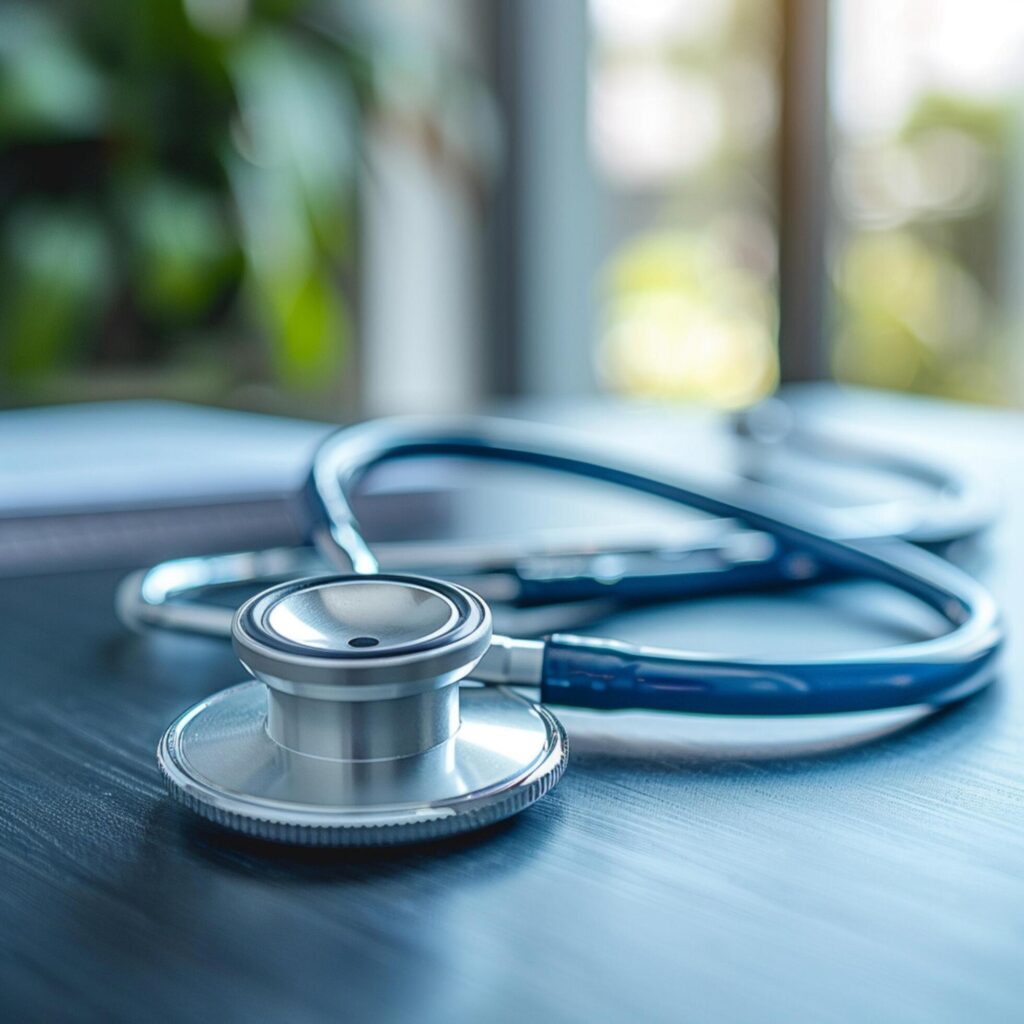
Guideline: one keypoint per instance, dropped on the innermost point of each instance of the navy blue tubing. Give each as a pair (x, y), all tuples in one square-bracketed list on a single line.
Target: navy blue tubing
[(605, 674)]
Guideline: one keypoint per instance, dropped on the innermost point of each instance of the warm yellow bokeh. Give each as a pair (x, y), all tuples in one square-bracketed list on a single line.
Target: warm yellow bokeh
[(681, 321)]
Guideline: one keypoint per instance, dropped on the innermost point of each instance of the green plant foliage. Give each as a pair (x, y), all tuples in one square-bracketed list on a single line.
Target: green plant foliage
[(921, 294), (175, 175)]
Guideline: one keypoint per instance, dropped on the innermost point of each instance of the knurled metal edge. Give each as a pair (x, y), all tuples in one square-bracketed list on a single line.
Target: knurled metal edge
[(398, 833)]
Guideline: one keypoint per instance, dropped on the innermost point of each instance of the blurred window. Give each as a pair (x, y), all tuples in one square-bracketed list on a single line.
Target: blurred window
[(928, 186), (225, 201), (683, 114)]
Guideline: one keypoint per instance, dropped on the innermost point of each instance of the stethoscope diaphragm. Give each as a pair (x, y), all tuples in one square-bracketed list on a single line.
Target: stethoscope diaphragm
[(356, 730)]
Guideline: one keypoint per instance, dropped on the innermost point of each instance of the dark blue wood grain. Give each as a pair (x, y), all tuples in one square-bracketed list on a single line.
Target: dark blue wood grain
[(861, 869)]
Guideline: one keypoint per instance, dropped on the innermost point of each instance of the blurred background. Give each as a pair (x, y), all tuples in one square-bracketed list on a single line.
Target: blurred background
[(340, 208)]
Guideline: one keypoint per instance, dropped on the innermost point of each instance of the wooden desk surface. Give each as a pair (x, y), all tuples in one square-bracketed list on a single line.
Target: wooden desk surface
[(684, 870)]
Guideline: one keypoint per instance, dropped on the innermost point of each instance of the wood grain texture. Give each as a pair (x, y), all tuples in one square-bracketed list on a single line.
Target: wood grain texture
[(869, 868)]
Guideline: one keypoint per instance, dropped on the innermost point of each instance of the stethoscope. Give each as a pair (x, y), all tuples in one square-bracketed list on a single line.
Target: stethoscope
[(355, 729)]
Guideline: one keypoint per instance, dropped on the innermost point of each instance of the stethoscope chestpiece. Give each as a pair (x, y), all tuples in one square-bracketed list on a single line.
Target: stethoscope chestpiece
[(356, 731)]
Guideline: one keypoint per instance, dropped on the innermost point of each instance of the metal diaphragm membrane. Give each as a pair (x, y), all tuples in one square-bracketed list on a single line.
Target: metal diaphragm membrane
[(355, 730)]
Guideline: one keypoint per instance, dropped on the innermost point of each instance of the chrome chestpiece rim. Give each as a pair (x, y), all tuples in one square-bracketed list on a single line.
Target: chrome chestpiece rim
[(356, 731)]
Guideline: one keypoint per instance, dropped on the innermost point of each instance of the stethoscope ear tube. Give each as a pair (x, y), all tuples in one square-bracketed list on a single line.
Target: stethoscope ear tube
[(588, 672), (605, 675)]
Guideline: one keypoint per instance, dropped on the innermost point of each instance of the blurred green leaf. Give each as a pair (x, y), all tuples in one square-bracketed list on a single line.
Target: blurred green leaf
[(46, 83), (178, 174), (185, 254), (311, 331), (297, 118), (59, 271)]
